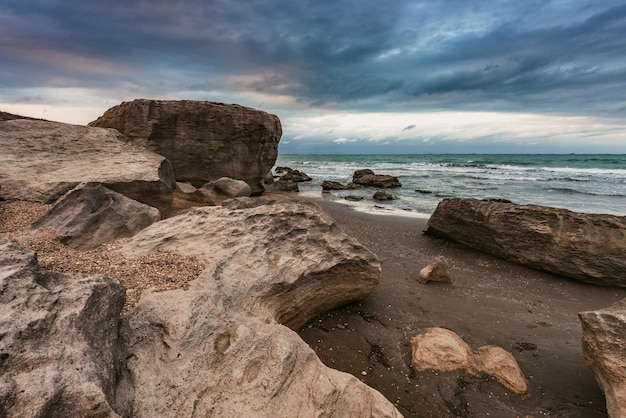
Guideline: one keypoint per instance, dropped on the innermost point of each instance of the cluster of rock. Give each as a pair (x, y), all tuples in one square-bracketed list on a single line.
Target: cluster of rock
[(367, 178), (443, 350), (584, 247), (225, 346), (287, 181)]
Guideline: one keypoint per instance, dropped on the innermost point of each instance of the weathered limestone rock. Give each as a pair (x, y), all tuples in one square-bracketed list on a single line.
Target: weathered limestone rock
[(438, 270), (92, 215), (59, 335), (383, 195), (443, 350), (367, 177), (203, 140), (219, 349), (41, 161), (215, 192), (604, 339), (335, 185), (297, 176), (585, 247), (282, 185)]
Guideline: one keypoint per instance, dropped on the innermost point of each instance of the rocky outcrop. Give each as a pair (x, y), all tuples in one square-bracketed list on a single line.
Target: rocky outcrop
[(603, 342), (443, 350), (41, 161), (92, 215), (438, 270), (59, 335), (203, 140), (219, 348), (366, 177), (584, 247)]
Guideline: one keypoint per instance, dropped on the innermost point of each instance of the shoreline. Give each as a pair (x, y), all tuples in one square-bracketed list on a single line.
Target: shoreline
[(491, 301)]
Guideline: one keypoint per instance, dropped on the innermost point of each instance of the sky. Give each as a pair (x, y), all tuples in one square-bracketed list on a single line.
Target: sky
[(343, 76)]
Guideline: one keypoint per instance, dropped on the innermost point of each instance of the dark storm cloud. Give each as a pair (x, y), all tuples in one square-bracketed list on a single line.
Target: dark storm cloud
[(540, 55)]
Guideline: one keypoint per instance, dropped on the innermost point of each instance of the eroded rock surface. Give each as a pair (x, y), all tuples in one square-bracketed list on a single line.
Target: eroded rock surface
[(203, 140), (585, 247), (367, 177), (219, 349), (59, 339), (41, 161), (438, 270), (604, 342), (92, 215)]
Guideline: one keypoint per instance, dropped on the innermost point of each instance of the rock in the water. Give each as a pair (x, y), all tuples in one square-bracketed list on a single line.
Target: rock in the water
[(218, 349), (604, 342), (297, 176), (92, 215), (443, 350), (41, 161), (585, 247), (367, 177), (438, 270), (383, 195), (59, 339), (203, 140), (335, 185)]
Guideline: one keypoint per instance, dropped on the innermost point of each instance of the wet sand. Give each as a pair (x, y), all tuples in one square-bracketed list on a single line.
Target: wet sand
[(490, 302)]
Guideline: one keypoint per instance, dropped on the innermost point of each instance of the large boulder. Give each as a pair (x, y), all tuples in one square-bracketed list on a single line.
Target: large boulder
[(203, 140), (584, 247), (92, 215), (221, 347), (41, 161), (604, 339), (59, 339)]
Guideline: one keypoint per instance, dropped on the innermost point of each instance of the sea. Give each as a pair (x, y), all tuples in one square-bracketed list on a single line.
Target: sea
[(586, 183)]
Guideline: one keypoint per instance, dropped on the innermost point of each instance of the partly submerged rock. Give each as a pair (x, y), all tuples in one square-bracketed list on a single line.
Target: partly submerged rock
[(335, 185), (585, 247), (203, 140), (443, 350), (219, 349), (382, 195), (59, 340), (41, 161), (604, 342), (366, 177), (92, 215)]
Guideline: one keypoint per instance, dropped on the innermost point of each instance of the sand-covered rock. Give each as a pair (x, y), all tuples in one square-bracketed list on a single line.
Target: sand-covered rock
[(584, 247), (443, 350), (59, 339), (41, 161), (438, 270), (203, 140), (604, 347), (221, 348), (92, 215)]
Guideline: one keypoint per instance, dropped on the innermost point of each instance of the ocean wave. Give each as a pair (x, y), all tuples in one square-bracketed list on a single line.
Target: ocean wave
[(568, 190)]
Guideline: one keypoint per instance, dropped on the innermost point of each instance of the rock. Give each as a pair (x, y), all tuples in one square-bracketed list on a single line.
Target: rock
[(41, 161), (230, 187), (203, 140), (219, 349), (335, 185), (186, 188), (584, 247), (443, 350), (282, 185), (59, 338), (437, 271), (367, 177), (297, 176), (353, 198), (92, 215), (383, 195), (603, 342)]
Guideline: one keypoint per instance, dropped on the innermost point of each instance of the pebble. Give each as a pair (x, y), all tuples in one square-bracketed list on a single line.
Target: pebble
[(364, 373)]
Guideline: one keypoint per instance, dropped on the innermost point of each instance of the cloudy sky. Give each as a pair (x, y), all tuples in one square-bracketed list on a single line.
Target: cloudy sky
[(344, 76)]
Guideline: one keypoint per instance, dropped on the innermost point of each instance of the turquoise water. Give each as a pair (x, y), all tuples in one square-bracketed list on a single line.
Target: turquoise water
[(589, 183)]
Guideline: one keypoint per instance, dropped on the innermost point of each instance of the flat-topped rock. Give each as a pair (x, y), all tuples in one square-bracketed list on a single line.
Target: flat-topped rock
[(204, 140), (41, 161), (584, 247)]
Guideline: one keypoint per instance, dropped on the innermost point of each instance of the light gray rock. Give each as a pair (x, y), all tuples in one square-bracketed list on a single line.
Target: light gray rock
[(203, 140), (59, 339), (41, 161), (220, 348), (604, 342), (584, 247), (438, 270), (92, 215)]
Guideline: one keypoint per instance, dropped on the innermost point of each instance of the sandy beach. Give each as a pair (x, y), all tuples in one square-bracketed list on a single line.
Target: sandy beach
[(490, 302)]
